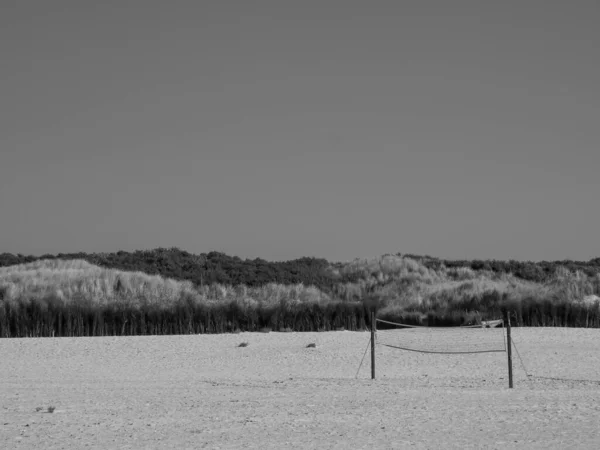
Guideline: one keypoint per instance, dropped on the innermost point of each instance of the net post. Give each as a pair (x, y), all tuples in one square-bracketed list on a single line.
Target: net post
[(509, 351), (373, 345)]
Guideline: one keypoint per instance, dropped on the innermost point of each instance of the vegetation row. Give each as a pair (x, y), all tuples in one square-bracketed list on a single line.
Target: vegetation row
[(76, 298), (219, 268)]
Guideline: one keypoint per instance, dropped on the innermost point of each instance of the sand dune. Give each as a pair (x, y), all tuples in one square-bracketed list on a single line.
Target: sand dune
[(206, 392)]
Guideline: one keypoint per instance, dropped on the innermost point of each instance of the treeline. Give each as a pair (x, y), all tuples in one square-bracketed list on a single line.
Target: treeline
[(219, 268)]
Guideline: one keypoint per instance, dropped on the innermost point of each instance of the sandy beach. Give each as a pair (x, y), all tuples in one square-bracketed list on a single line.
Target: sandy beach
[(204, 391)]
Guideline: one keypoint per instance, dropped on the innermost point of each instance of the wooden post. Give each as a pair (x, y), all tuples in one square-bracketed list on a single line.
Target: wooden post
[(509, 351), (373, 326)]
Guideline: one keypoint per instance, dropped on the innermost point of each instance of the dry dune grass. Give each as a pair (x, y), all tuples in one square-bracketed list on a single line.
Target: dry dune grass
[(77, 279), (204, 391), (72, 280)]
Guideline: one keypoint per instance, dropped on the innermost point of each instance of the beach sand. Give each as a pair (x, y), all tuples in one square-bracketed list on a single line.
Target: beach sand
[(203, 391)]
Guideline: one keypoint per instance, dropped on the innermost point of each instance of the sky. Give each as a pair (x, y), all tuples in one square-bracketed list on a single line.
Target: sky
[(337, 129)]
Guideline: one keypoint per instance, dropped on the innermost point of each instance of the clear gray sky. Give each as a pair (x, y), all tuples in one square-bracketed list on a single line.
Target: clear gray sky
[(280, 129)]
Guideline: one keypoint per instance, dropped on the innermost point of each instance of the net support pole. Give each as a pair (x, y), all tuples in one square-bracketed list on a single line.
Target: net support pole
[(509, 351), (373, 345)]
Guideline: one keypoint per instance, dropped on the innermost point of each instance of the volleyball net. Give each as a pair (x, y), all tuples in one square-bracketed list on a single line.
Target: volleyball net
[(544, 355), (485, 338)]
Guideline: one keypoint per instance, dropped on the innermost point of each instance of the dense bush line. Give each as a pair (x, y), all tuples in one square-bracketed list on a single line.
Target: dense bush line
[(525, 270), (203, 269), (215, 267)]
